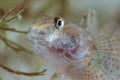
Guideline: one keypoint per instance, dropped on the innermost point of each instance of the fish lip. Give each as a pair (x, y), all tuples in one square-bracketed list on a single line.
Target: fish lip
[(63, 51), (70, 58)]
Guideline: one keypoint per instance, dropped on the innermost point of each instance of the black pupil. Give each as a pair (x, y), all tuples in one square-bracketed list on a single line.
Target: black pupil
[(59, 23)]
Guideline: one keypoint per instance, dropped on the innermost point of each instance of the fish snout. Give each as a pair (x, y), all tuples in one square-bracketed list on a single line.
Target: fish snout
[(34, 35)]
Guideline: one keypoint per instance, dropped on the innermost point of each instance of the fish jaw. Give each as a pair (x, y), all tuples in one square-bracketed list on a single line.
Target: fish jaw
[(69, 42)]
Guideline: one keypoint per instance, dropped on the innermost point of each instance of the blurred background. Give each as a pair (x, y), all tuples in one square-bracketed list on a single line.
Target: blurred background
[(16, 16)]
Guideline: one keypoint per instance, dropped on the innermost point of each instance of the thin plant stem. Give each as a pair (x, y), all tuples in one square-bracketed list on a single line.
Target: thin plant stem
[(23, 73), (18, 9), (16, 47), (13, 30)]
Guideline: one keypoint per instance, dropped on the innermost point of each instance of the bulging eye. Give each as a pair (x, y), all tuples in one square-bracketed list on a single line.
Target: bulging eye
[(59, 22)]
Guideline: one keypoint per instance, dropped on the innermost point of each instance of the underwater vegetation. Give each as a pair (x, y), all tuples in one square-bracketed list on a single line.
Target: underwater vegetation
[(76, 40)]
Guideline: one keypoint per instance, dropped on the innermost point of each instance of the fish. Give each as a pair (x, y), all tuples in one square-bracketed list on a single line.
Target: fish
[(76, 51)]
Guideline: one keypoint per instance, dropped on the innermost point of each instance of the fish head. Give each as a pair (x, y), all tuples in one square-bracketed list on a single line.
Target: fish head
[(58, 40)]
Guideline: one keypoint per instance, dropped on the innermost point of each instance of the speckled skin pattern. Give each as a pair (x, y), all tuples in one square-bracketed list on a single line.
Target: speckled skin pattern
[(74, 51)]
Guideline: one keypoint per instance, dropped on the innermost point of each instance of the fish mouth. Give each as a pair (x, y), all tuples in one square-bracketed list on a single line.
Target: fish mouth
[(72, 55), (64, 51)]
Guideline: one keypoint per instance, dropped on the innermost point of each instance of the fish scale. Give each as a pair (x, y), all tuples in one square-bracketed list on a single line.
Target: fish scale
[(98, 72), (108, 49), (106, 66)]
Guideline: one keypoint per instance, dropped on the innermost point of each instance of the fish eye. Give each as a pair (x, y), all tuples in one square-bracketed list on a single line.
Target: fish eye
[(59, 22)]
